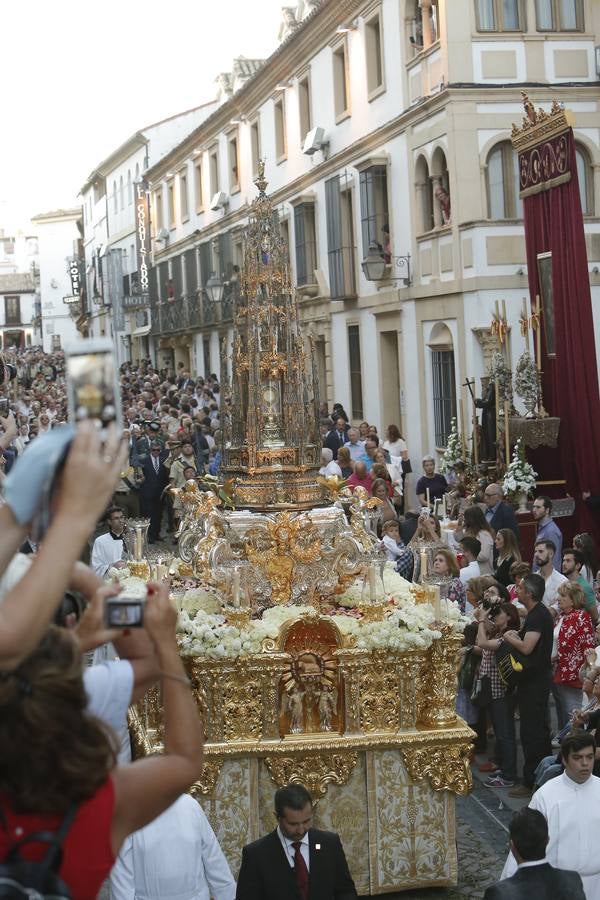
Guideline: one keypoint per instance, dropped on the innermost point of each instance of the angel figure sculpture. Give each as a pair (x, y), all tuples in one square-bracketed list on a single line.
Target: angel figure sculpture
[(327, 707), (293, 705)]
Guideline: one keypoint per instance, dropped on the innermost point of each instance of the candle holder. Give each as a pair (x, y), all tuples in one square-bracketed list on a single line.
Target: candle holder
[(140, 568), (239, 617), (137, 540)]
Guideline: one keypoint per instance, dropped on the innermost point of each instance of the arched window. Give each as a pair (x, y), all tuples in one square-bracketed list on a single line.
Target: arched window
[(115, 198), (424, 196), (585, 176), (441, 347), (122, 192), (129, 188), (440, 184), (502, 176)]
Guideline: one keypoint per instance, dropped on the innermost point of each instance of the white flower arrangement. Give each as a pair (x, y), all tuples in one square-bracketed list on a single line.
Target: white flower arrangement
[(453, 453), (198, 599), (115, 574), (520, 476), (407, 627), (499, 371)]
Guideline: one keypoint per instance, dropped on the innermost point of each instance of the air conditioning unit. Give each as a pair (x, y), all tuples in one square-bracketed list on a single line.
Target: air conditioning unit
[(219, 201), (314, 140)]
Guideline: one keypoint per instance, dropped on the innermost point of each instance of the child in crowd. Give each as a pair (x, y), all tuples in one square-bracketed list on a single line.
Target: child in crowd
[(396, 550)]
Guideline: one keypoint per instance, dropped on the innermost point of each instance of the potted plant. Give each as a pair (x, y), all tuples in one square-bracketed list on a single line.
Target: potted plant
[(519, 480)]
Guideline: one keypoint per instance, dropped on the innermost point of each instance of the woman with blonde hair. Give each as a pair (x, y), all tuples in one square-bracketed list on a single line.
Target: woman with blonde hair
[(574, 635), (508, 553)]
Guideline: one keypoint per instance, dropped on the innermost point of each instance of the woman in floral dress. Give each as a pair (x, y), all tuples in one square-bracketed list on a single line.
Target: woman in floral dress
[(575, 636)]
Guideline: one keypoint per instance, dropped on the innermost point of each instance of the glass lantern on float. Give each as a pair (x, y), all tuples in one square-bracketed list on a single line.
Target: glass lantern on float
[(372, 598), (137, 548)]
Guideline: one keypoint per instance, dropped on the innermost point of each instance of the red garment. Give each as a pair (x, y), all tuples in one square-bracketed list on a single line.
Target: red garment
[(576, 635), (366, 482), (300, 870), (87, 851)]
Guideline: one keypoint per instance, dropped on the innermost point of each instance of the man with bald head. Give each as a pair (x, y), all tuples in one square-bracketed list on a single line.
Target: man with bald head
[(360, 476)]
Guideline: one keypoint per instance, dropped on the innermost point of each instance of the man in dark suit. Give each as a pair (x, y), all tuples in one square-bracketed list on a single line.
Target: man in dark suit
[(155, 480), (535, 879), (498, 513), (296, 861), (336, 438)]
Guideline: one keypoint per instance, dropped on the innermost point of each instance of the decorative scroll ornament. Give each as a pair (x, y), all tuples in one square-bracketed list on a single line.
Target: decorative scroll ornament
[(314, 772), (211, 770), (447, 768), (538, 126)]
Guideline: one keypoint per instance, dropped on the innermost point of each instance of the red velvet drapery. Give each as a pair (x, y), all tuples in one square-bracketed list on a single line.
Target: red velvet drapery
[(554, 222)]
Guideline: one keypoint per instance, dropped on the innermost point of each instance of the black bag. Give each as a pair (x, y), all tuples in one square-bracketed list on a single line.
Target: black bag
[(481, 695), (22, 879), (406, 467), (468, 671), (511, 664)]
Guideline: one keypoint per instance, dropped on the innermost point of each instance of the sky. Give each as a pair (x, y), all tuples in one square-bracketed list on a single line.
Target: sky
[(80, 77)]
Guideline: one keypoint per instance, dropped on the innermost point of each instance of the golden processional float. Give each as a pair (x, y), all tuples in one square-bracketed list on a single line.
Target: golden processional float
[(312, 661)]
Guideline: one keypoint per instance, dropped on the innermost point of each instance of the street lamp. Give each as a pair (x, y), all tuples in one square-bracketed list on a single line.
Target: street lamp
[(375, 267), (215, 288)]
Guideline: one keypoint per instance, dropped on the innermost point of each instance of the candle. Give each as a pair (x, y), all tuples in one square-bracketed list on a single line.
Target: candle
[(236, 588), (437, 602), (161, 571), (138, 544), (506, 435), (428, 500), (444, 511), (372, 590), (424, 564)]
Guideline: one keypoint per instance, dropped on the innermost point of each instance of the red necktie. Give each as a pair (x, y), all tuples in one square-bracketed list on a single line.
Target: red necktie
[(300, 870)]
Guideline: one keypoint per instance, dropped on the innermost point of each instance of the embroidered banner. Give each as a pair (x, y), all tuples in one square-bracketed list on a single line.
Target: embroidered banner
[(544, 166)]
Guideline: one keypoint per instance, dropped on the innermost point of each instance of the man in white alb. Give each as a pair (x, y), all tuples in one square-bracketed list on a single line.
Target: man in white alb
[(108, 548), (571, 805), (175, 857)]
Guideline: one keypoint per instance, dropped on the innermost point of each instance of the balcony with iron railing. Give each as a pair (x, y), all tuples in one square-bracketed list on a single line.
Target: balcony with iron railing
[(192, 312)]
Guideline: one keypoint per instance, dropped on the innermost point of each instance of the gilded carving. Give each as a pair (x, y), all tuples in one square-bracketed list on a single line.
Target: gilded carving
[(314, 772), (447, 768), (241, 698), (438, 681), (208, 778), (379, 690)]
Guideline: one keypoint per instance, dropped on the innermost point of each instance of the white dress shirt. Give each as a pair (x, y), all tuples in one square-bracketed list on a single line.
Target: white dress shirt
[(175, 857), (470, 571), (105, 552), (290, 852)]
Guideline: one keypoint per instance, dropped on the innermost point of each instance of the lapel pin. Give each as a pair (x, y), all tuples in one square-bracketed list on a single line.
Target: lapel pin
[(317, 846)]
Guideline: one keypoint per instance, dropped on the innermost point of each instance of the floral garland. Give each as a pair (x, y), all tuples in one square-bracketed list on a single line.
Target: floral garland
[(499, 371), (527, 383), (409, 625)]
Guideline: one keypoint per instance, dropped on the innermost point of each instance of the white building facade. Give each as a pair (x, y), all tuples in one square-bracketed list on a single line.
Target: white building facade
[(413, 168), (109, 247), (59, 238), (19, 297)]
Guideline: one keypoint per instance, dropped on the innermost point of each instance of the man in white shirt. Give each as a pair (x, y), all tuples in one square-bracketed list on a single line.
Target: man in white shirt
[(107, 550), (355, 446), (471, 548), (543, 558), (175, 857), (571, 806)]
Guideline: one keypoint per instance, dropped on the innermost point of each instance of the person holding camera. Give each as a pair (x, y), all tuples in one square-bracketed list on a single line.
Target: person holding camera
[(493, 619), (44, 703), (83, 488)]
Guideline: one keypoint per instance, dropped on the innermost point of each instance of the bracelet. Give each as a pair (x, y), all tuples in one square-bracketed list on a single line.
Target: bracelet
[(181, 678)]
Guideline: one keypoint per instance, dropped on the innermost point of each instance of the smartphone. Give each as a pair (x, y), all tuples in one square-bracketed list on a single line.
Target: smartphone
[(93, 389), (124, 611), (4, 407)]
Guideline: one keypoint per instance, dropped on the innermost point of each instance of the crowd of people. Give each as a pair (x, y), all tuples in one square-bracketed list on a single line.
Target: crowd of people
[(530, 652)]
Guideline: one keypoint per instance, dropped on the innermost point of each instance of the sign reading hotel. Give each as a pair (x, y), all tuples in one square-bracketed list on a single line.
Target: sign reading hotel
[(75, 276), (142, 239)]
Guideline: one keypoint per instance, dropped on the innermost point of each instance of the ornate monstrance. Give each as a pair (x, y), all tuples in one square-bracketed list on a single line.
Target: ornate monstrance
[(274, 451)]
